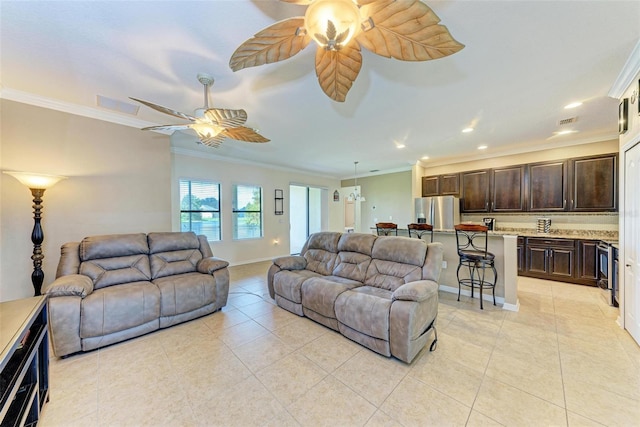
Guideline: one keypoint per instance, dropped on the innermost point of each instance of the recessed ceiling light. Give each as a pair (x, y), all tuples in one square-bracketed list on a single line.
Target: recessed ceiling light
[(467, 130), (572, 105), (424, 158), (400, 145), (482, 147)]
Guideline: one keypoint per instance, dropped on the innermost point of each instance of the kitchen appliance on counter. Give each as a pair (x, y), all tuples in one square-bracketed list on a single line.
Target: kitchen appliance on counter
[(443, 212), (606, 281), (490, 223)]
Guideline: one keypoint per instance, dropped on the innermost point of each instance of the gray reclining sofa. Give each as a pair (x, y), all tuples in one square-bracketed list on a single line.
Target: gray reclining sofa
[(114, 287), (381, 292)]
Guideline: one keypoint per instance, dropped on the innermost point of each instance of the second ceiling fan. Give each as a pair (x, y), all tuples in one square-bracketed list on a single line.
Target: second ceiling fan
[(213, 125)]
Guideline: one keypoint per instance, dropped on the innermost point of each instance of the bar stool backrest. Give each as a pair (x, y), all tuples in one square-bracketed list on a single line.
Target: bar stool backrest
[(471, 238), (419, 230), (386, 228)]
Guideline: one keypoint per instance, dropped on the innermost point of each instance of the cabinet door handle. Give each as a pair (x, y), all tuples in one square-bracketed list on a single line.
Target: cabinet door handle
[(564, 203)]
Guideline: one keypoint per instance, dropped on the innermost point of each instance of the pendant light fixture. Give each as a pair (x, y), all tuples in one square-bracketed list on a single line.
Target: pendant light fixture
[(356, 193)]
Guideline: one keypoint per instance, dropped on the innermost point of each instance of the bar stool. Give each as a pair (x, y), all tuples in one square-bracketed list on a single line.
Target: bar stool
[(386, 228), (472, 249), (419, 230)]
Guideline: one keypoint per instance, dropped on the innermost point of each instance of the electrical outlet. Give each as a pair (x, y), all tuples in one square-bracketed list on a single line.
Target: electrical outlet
[(444, 264)]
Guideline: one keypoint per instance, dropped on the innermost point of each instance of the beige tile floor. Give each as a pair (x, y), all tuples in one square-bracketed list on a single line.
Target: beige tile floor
[(560, 360)]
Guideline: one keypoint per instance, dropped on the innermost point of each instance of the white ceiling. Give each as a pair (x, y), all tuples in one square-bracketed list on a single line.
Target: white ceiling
[(523, 61)]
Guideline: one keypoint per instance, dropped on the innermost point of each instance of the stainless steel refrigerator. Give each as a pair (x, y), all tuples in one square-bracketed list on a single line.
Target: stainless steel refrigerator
[(443, 212)]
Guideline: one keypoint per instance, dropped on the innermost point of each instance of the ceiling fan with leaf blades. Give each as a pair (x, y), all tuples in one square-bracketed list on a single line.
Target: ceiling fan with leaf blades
[(407, 30), (213, 125)]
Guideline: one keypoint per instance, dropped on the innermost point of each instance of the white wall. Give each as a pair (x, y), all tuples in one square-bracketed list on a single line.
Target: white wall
[(276, 227), (118, 181)]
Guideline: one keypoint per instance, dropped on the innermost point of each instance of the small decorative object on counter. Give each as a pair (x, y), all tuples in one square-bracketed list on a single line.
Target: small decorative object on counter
[(544, 224)]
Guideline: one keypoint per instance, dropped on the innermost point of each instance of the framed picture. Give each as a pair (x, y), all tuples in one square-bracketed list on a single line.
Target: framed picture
[(623, 116), (279, 199)]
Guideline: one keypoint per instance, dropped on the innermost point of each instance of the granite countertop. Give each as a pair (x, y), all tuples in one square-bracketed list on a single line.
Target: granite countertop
[(605, 235)]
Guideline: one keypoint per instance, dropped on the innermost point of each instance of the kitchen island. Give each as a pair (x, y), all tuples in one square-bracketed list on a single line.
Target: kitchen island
[(504, 247)]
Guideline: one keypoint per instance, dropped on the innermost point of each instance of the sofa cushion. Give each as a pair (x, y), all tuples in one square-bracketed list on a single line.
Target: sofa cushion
[(173, 253), (115, 271), (117, 308), (400, 249), (352, 265), (113, 245), (114, 259), (288, 284), (391, 275), (182, 293), (356, 242), (320, 251), (366, 310), (319, 294)]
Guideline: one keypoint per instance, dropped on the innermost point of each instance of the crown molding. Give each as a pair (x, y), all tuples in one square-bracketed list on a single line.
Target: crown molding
[(627, 74), (211, 156), (78, 110)]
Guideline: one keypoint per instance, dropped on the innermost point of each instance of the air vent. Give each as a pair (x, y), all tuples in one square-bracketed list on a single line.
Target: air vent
[(568, 121)]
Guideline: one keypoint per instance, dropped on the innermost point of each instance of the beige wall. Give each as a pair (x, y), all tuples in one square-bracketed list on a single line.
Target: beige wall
[(276, 227), (388, 199), (118, 180)]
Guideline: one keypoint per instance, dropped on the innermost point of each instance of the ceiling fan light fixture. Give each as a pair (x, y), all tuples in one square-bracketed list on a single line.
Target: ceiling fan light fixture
[(206, 130), (332, 23)]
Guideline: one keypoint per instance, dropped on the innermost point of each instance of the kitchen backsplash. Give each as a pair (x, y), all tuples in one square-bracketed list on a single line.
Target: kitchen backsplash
[(597, 225)]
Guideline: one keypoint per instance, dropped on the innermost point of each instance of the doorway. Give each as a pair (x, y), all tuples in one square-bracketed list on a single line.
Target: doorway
[(631, 249), (306, 214)]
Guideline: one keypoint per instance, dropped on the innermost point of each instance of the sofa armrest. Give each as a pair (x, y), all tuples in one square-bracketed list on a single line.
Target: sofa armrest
[(211, 264), (72, 285), (418, 291), (294, 262)]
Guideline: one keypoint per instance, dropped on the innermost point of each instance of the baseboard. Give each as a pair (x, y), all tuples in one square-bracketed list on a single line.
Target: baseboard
[(251, 261)]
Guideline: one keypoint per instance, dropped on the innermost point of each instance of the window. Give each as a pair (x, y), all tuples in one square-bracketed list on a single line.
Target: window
[(200, 208), (247, 211)]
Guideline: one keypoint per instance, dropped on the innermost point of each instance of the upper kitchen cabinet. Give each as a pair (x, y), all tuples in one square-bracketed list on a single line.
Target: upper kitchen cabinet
[(441, 185), (595, 183), (476, 191), (548, 184), (507, 191)]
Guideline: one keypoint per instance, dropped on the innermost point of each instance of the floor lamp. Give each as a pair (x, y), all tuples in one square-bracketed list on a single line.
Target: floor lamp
[(37, 183)]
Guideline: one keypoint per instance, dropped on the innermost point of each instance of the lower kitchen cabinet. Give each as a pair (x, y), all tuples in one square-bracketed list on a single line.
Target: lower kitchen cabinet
[(520, 255), (565, 260)]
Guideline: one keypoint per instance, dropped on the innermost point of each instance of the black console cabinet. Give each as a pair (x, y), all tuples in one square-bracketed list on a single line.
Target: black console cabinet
[(24, 379)]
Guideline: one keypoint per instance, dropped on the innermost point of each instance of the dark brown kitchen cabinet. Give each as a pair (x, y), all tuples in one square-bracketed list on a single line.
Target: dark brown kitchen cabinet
[(595, 183), (507, 189), (588, 262), (441, 185), (430, 186), (520, 255), (548, 183), (476, 191), (553, 259)]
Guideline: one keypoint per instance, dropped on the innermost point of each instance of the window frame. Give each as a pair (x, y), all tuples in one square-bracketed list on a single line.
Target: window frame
[(235, 211), (190, 182)]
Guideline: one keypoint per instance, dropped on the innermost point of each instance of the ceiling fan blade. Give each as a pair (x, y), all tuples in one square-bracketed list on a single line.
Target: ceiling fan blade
[(214, 141), (242, 133), (165, 110), (168, 127), (226, 118)]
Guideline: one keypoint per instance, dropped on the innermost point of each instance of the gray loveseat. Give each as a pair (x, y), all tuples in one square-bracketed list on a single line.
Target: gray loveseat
[(115, 287), (381, 292)]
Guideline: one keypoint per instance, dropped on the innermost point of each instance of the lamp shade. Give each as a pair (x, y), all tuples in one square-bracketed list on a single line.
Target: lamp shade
[(36, 180)]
